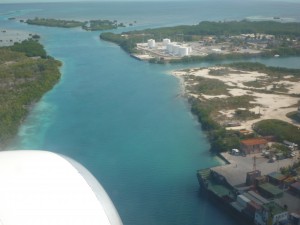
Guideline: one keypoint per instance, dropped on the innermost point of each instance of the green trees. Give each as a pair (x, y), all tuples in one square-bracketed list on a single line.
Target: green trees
[(128, 44), (87, 25), (280, 129), (23, 81), (31, 48), (54, 22), (101, 25)]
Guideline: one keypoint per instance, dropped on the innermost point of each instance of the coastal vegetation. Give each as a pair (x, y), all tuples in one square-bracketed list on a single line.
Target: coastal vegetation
[(279, 129), (191, 32), (30, 48), (54, 22), (277, 72), (102, 25), (208, 86), (26, 73), (92, 25), (282, 51), (123, 40), (206, 112), (294, 115)]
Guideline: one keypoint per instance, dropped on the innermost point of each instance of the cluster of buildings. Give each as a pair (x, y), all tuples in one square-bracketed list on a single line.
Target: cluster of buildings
[(171, 48), (252, 188)]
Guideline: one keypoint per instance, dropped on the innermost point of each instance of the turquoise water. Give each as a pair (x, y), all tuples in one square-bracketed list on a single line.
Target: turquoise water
[(124, 119)]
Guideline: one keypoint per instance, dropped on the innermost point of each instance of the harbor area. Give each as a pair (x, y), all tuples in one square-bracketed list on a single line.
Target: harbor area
[(239, 165), (254, 189)]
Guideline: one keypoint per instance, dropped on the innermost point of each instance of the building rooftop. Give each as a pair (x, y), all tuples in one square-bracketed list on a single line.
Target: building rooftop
[(277, 175), (289, 199), (274, 208), (254, 141), (218, 189), (271, 189), (256, 197)]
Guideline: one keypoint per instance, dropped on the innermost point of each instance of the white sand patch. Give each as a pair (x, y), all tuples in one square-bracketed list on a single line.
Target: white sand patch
[(179, 73), (227, 113), (273, 106), (239, 92), (193, 95), (293, 87), (237, 78), (214, 96)]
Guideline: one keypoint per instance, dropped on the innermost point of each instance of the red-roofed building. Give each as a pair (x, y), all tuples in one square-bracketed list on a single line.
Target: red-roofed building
[(253, 145)]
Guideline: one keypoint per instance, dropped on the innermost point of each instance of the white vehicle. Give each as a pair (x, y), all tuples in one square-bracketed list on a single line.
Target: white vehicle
[(235, 151)]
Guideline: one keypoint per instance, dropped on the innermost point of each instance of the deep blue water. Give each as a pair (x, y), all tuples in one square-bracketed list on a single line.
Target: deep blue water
[(123, 119)]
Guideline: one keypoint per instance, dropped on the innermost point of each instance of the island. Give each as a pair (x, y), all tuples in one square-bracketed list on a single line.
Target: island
[(210, 41), (92, 25), (26, 73), (251, 115)]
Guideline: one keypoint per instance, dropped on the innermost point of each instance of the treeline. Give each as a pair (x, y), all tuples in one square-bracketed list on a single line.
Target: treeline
[(128, 44), (23, 81), (102, 25), (214, 57), (271, 71), (238, 56), (220, 139), (226, 28)]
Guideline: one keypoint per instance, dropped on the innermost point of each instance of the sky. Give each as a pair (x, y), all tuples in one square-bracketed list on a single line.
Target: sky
[(34, 1), (26, 1)]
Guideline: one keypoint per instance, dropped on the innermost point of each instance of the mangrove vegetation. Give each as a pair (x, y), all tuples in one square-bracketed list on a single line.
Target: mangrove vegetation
[(26, 73)]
